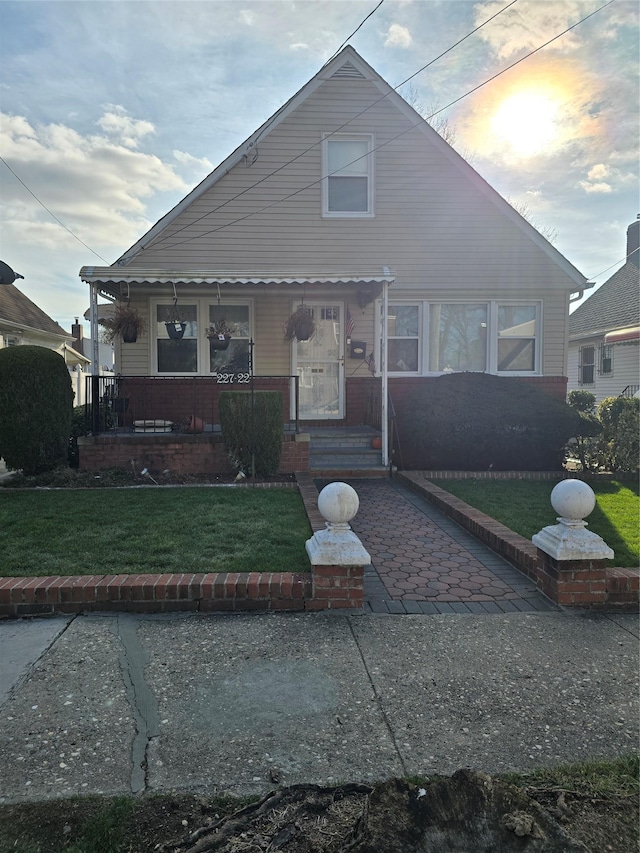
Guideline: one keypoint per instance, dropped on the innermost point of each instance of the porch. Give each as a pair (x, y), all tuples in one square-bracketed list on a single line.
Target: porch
[(173, 423)]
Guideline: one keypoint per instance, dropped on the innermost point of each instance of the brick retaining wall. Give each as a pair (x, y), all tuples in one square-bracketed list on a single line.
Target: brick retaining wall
[(321, 588), (598, 587)]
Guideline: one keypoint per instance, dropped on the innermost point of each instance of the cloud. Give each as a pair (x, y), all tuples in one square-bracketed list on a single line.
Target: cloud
[(115, 122), (530, 24), (598, 172), (97, 185), (398, 36), (600, 187), (196, 164)]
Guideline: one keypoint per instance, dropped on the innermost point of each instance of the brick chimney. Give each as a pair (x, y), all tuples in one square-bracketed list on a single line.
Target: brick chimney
[(633, 242), (77, 332)]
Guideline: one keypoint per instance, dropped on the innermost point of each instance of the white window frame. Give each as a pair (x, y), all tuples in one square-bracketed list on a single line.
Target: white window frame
[(412, 303), (347, 137), (492, 334), (202, 316), (593, 364), (605, 354)]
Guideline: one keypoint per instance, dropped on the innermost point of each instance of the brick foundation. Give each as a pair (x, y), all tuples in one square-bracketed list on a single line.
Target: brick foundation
[(180, 453)]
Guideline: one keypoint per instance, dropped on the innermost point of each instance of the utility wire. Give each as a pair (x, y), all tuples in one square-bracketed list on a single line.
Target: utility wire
[(382, 145), (51, 213), (327, 136), (354, 32)]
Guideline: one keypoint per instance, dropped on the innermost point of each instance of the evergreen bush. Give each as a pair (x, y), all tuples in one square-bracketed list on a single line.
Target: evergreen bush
[(477, 422), (36, 402), (236, 421)]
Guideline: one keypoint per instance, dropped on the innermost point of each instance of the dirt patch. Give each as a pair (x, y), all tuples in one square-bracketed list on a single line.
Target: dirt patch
[(464, 812)]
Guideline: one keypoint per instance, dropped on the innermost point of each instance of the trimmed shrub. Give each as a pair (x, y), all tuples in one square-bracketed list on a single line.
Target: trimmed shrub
[(236, 421), (585, 443), (36, 401), (477, 422)]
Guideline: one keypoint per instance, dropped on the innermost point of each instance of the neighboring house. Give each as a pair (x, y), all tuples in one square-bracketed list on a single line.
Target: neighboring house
[(348, 201), (22, 322), (84, 346), (604, 332)]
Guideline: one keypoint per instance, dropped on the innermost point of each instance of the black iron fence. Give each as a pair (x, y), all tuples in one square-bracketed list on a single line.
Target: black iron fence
[(119, 404)]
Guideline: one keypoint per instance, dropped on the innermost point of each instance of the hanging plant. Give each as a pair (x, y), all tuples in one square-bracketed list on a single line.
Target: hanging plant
[(126, 323), (175, 325), (219, 334), (175, 329), (300, 325)]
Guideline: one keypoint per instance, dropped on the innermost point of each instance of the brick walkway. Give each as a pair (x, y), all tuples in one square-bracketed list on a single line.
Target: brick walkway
[(424, 563)]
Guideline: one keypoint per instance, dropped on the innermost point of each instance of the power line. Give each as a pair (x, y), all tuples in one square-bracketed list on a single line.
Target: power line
[(333, 132), (348, 39), (376, 148), (50, 212)]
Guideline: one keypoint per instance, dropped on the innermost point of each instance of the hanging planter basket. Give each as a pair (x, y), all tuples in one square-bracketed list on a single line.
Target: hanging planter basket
[(219, 335), (176, 330), (220, 342), (125, 324), (300, 325)]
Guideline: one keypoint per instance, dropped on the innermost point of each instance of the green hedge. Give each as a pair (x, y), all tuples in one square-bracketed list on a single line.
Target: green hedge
[(237, 420), (36, 401), (477, 422)]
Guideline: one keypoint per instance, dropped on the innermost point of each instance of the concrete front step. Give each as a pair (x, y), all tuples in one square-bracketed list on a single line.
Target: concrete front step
[(343, 449)]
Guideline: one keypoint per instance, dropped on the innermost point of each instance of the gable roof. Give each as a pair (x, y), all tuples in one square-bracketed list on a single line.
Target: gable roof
[(615, 305), (18, 310), (348, 64)]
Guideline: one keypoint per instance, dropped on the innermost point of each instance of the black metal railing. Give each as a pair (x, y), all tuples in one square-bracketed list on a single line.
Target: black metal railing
[(630, 391), (124, 404)]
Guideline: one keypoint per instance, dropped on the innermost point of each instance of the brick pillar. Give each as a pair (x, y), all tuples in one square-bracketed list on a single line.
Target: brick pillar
[(572, 561), (573, 583), (337, 556)]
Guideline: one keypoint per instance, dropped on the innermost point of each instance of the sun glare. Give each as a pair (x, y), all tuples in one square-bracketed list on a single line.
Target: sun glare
[(526, 122)]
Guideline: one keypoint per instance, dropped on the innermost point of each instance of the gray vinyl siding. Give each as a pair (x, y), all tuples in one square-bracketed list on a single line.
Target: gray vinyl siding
[(437, 227), (433, 225)]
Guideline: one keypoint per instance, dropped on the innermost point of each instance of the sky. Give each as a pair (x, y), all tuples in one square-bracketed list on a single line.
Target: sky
[(111, 111)]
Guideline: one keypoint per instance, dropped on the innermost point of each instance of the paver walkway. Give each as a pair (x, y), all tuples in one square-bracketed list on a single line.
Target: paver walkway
[(422, 562)]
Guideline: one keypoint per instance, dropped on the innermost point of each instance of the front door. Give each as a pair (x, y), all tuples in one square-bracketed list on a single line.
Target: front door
[(319, 364)]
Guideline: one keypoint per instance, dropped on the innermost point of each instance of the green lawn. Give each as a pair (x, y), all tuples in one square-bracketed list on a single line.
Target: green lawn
[(131, 531), (524, 507)]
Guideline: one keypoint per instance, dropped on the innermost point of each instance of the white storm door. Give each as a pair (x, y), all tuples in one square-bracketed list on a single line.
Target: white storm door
[(319, 364)]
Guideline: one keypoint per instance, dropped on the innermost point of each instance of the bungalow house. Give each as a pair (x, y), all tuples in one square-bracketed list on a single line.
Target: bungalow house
[(348, 203), (604, 332)]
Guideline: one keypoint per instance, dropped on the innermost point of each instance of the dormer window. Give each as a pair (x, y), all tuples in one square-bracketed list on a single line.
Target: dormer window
[(347, 167)]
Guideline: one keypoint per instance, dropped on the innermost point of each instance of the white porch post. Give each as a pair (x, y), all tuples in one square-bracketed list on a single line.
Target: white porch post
[(93, 318), (383, 370)]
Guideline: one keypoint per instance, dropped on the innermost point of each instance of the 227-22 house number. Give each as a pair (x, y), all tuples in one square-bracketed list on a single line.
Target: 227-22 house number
[(232, 378)]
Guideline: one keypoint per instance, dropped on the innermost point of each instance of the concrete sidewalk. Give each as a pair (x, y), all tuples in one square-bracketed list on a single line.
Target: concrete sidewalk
[(242, 703)]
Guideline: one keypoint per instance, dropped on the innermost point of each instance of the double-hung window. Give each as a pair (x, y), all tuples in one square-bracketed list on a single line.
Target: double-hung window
[(403, 338), (193, 351), (606, 359), (347, 169), (586, 365)]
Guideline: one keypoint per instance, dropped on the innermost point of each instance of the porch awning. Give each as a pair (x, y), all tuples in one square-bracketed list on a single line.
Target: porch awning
[(621, 336), (116, 276)]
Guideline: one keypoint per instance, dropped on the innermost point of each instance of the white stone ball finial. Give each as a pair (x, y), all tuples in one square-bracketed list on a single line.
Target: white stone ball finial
[(569, 540), (338, 503), (573, 500)]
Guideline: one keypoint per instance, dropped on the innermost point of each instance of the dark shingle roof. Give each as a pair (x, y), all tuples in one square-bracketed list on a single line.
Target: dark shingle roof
[(615, 305), (15, 307)]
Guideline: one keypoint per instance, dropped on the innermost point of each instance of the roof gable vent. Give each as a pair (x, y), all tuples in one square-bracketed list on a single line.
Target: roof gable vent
[(348, 71)]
